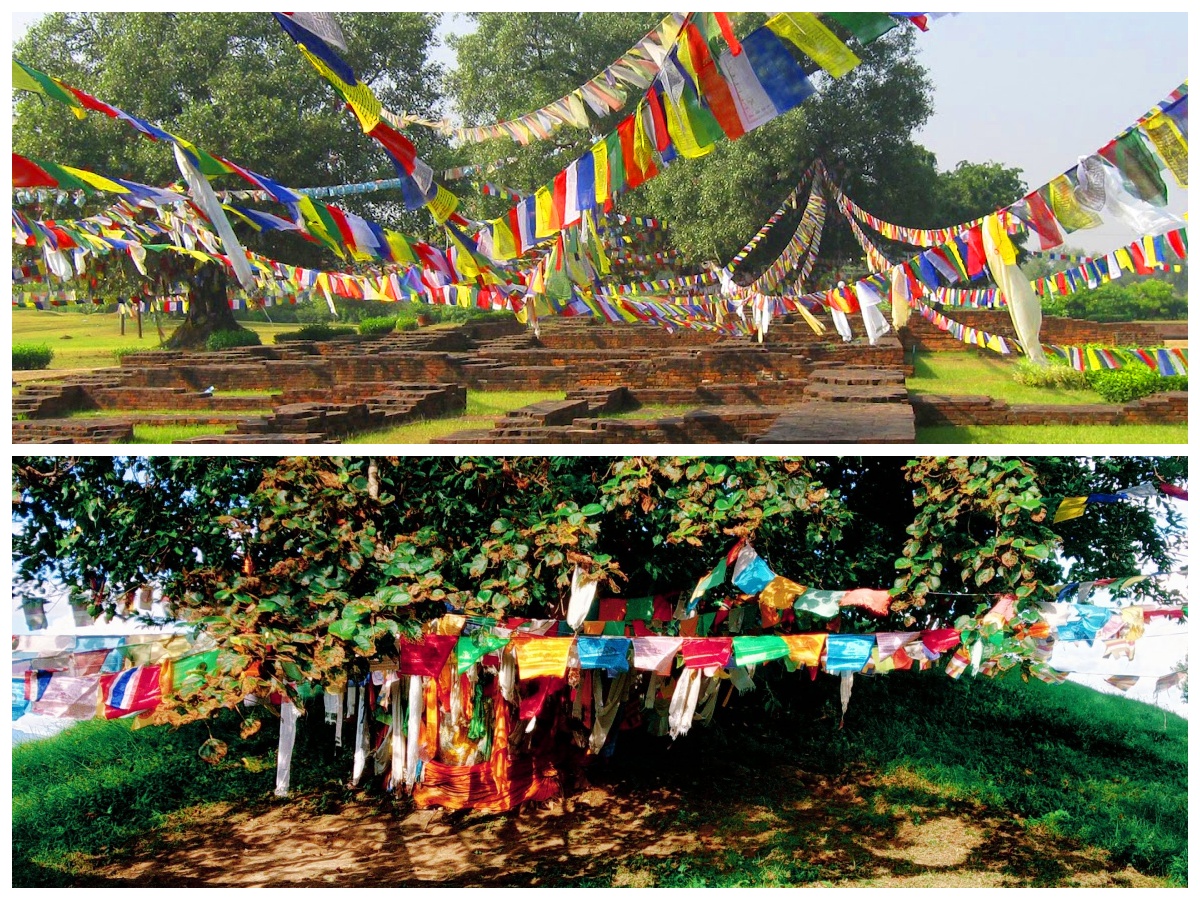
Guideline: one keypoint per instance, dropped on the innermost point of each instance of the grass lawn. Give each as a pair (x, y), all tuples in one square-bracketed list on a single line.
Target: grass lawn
[(483, 409), (87, 340), (1053, 434), (990, 376), (169, 434), (927, 782)]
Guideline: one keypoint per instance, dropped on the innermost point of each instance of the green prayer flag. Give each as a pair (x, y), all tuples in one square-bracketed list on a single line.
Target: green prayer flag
[(866, 26), (470, 648), (758, 648), (819, 603)]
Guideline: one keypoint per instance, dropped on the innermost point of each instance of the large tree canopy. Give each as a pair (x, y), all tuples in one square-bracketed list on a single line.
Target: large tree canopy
[(233, 84), (305, 569)]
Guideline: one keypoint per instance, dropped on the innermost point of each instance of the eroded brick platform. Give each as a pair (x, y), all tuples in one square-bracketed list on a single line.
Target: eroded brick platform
[(797, 387)]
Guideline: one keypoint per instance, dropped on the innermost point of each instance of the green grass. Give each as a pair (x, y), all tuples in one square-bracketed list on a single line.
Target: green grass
[(482, 411), (1053, 434), (989, 376), (87, 340), (169, 434), (1047, 770), (787, 792)]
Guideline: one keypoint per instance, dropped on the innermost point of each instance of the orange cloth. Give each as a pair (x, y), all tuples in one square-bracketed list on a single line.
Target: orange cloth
[(781, 592), (498, 785), (877, 602), (805, 649)]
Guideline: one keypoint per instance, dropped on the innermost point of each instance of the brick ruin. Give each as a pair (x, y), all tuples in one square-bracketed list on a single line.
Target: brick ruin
[(797, 387)]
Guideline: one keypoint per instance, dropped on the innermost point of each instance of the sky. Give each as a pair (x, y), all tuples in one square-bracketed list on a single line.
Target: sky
[(1030, 90)]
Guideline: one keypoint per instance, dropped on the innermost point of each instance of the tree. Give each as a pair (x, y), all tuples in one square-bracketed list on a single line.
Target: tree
[(305, 569), (233, 84), (971, 190)]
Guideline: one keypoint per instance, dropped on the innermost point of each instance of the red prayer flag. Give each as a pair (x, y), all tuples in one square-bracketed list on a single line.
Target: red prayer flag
[(701, 653), (426, 656)]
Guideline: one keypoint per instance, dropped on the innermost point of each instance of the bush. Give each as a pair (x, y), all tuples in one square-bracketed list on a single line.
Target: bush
[(316, 331), (226, 340), (1057, 375), (1129, 382), (377, 325), (27, 357)]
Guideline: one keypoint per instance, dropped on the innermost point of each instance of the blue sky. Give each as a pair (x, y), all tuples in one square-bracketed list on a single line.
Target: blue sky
[(1033, 90)]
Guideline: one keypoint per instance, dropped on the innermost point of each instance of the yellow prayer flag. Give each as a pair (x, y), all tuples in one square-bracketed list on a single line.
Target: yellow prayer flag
[(999, 235), (539, 657), (97, 181), (1149, 251), (366, 106), (804, 649), (1070, 508), (643, 150), (780, 593), (820, 44), (543, 212), (443, 205), (680, 129), (600, 159), (1171, 145), (400, 247), (503, 243)]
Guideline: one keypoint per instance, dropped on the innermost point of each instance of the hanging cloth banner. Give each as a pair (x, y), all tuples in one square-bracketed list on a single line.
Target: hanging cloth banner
[(420, 189), (1074, 507)]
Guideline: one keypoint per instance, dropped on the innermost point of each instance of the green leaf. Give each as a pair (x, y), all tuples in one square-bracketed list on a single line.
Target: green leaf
[(592, 509), (344, 629)]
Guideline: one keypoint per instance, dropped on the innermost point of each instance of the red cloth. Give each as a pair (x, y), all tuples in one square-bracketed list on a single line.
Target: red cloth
[(664, 611), (534, 698), (712, 85), (701, 653), (939, 640), (1172, 491), (613, 610), (426, 656)]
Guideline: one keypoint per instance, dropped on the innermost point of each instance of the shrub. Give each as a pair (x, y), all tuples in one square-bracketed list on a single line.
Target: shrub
[(407, 325), (31, 356), (1130, 382), (1173, 383), (377, 325), (226, 340), (1056, 375), (316, 331)]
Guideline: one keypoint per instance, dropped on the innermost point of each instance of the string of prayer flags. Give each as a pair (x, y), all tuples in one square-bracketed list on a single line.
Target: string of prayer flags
[(417, 178), (1074, 507)]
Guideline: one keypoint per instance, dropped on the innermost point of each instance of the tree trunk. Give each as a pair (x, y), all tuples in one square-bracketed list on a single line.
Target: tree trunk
[(208, 309)]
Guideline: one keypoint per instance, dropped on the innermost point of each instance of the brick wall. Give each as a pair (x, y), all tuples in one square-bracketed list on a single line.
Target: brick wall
[(1055, 330)]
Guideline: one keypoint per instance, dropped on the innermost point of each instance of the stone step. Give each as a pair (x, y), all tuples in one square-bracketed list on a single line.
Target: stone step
[(857, 393), (855, 375), (817, 422)]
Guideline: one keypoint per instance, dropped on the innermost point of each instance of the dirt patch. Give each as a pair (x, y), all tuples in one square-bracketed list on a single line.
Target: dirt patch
[(839, 831)]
